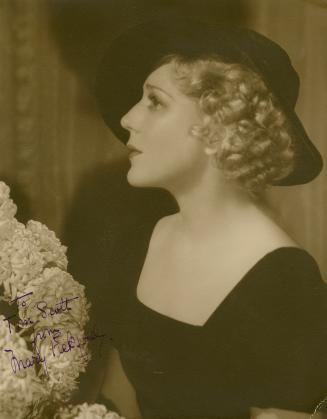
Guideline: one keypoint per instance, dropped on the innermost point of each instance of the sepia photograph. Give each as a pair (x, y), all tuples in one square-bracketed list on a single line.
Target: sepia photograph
[(163, 201)]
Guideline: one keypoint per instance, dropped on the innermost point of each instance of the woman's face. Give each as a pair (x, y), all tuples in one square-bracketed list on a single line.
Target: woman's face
[(160, 128)]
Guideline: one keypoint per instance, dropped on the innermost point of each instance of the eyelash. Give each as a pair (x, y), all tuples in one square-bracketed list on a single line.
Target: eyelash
[(155, 103)]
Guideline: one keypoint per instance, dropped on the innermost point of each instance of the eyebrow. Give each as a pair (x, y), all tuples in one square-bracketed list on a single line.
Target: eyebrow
[(152, 86)]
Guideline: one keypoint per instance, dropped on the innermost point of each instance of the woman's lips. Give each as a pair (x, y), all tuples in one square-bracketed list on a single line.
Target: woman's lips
[(133, 153)]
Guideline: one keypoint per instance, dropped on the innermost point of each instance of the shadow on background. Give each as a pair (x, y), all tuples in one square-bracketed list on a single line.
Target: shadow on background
[(105, 209)]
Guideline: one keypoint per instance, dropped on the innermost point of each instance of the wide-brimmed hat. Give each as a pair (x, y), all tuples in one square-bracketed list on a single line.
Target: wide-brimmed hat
[(131, 57)]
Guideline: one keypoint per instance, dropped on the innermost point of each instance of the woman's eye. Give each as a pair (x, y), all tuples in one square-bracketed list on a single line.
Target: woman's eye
[(154, 102)]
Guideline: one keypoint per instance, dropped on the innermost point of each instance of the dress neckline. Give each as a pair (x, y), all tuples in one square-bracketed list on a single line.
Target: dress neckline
[(229, 295)]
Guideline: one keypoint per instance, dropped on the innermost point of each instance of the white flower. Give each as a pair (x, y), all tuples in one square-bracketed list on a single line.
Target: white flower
[(54, 253), (17, 390), (5, 267), (7, 228), (56, 289), (42, 368), (63, 371), (85, 411), (4, 192), (7, 208), (26, 253), (24, 259)]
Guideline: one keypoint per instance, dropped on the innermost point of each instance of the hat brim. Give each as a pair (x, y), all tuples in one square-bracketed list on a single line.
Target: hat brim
[(130, 59)]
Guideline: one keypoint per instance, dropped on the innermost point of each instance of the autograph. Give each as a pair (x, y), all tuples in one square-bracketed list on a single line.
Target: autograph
[(18, 364), (61, 341), (69, 344)]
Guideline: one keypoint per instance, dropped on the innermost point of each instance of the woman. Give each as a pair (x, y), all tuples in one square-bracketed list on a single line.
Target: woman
[(216, 310)]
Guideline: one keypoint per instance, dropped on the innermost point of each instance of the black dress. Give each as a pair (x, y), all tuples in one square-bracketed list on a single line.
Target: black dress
[(265, 345)]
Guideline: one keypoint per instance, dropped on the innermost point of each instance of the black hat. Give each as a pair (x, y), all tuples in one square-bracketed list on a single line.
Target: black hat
[(132, 55)]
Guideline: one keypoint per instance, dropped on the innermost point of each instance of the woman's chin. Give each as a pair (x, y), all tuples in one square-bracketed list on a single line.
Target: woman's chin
[(138, 181)]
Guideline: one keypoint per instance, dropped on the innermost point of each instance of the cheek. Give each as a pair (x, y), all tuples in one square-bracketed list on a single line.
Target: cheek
[(170, 151), (178, 155), (171, 132), (167, 164), (172, 142)]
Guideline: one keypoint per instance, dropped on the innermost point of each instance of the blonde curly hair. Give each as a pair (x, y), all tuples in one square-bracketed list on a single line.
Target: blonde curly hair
[(241, 117)]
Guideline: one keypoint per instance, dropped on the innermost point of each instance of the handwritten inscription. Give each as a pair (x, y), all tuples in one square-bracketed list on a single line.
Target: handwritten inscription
[(18, 364), (42, 308), (60, 341), (58, 347), (20, 300), (61, 307)]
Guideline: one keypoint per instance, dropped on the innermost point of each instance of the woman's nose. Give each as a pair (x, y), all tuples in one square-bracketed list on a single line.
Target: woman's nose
[(129, 120), (124, 122)]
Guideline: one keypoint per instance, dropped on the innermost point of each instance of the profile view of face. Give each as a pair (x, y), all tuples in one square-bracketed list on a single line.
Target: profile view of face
[(160, 128)]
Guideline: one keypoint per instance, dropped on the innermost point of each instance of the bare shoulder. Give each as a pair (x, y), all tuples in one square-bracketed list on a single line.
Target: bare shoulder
[(272, 233), (248, 241), (263, 237)]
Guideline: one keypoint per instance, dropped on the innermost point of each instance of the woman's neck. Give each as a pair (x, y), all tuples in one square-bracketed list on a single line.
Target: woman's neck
[(212, 206)]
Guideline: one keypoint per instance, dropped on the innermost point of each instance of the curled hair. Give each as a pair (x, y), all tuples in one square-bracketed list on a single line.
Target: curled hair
[(241, 117)]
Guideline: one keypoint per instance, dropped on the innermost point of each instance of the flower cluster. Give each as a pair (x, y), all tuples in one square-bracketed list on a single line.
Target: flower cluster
[(17, 391), (25, 251), (43, 348), (85, 411)]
